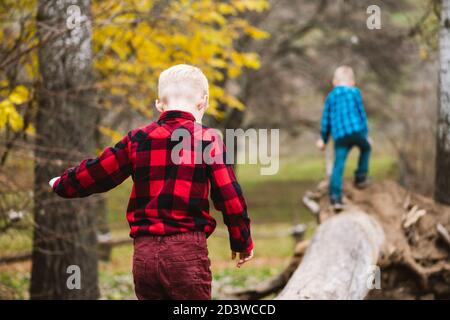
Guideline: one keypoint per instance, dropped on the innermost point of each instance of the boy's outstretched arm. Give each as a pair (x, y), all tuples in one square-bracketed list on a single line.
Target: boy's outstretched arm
[(325, 126), (97, 175), (227, 197)]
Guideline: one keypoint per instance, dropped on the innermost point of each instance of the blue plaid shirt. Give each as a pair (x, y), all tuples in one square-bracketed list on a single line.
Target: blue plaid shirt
[(343, 114)]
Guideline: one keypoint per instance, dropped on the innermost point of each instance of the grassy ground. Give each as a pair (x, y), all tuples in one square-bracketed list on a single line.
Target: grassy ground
[(274, 206)]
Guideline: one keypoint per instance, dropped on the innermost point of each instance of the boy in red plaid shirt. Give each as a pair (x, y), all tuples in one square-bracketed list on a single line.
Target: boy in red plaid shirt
[(168, 210)]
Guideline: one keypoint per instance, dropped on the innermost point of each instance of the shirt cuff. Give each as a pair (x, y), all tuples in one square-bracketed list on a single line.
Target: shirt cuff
[(56, 183), (248, 249)]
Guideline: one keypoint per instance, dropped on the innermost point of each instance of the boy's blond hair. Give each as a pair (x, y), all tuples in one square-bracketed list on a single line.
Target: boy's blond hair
[(344, 74), (182, 81)]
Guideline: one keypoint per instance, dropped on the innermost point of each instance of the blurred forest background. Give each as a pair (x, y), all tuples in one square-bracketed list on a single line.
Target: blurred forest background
[(74, 79)]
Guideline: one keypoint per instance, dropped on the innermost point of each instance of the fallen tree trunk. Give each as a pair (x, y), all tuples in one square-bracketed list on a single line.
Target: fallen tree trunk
[(340, 260), (414, 260)]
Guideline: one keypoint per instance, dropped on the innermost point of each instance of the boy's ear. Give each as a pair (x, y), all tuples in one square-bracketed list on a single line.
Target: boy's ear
[(203, 103), (159, 106)]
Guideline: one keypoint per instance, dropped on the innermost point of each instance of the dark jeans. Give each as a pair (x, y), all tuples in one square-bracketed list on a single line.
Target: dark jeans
[(172, 267), (342, 147)]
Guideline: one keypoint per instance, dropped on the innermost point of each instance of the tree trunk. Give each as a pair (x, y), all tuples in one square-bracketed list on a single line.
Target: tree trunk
[(340, 260), (442, 185), (64, 235), (100, 204)]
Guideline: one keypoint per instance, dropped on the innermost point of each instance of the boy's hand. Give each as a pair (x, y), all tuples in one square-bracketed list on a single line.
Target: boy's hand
[(52, 181), (243, 257), (320, 145)]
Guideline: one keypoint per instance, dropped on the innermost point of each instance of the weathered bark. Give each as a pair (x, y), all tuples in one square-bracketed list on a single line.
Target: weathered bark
[(442, 184), (64, 233), (340, 260)]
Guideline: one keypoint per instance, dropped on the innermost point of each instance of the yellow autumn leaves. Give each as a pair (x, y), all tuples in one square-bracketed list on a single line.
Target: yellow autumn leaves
[(135, 46), (133, 41), (9, 116)]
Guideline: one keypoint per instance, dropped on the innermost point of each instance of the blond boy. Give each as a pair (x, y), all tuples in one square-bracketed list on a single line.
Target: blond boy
[(345, 120), (168, 210)]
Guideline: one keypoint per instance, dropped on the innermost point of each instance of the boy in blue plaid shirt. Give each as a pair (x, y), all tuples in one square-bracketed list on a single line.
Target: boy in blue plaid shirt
[(345, 120)]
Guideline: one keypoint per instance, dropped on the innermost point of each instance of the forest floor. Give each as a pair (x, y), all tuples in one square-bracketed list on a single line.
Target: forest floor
[(274, 207)]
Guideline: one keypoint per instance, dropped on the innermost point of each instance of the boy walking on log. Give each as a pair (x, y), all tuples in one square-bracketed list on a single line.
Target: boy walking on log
[(345, 120), (174, 162)]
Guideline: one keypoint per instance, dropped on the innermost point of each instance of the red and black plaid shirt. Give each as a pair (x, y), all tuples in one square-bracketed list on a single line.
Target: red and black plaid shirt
[(167, 198)]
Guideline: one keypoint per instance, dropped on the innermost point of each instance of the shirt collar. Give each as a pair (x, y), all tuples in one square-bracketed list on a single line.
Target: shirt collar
[(173, 114), (343, 86)]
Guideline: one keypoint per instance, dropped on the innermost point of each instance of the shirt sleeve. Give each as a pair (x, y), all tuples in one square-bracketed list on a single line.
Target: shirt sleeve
[(227, 197), (326, 120), (97, 175), (362, 112)]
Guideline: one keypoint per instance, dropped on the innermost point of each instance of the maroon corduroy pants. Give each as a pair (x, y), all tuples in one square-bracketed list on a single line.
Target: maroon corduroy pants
[(172, 267)]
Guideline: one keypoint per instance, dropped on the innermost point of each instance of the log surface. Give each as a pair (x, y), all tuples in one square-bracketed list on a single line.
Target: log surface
[(339, 261)]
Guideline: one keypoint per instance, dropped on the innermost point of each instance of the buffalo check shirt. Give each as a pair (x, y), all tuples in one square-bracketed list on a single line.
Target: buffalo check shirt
[(167, 197), (343, 113)]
